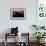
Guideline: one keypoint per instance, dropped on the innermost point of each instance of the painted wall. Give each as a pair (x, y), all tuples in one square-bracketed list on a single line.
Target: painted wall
[(24, 25)]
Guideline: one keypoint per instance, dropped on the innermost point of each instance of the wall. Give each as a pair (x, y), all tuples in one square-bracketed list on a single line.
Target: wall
[(24, 25)]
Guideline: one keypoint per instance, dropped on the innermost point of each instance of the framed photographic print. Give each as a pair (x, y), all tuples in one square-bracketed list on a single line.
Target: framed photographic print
[(17, 13)]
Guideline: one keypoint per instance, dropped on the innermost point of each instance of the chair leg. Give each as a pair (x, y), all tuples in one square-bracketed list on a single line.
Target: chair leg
[(5, 40), (5, 43)]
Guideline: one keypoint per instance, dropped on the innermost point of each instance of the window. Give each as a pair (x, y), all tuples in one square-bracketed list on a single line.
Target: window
[(41, 8)]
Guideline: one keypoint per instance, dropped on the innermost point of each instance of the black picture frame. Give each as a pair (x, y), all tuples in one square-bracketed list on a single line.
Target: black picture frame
[(17, 13)]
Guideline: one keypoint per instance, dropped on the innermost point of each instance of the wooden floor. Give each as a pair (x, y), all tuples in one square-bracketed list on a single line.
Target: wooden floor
[(13, 44)]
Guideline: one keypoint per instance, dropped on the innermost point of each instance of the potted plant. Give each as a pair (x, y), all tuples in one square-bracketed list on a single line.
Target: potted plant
[(38, 27), (39, 35), (42, 27), (35, 26)]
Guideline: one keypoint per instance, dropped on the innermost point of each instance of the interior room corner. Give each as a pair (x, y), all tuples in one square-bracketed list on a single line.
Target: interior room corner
[(22, 22)]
